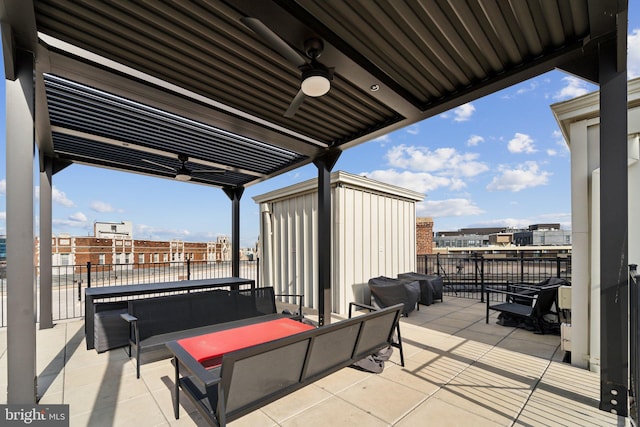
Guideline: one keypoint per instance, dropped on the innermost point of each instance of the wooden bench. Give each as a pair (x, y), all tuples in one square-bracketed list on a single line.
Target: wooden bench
[(540, 302), (252, 377), (156, 321)]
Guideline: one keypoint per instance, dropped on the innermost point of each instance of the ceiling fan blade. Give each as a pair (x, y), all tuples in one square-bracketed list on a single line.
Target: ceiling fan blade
[(295, 104), (274, 40), (159, 164)]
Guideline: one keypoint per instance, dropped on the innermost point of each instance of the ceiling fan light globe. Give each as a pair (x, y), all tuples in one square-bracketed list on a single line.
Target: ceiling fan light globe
[(183, 177), (315, 85)]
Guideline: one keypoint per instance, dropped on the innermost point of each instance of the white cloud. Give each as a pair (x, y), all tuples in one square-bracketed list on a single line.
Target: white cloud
[(444, 161), (574, 87), (449, 207), (60, 197), (463, 112), (3, 186), (78, 216), (383, 139), (633, 54), (505, 222), (521, 143), (421, 182), (551, 152), (75, 220), (102, 207), (526, 175), (474, 140), (413, 130)]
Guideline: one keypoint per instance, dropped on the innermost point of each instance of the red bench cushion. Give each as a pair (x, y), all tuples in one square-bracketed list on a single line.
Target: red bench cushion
[(208, 349)]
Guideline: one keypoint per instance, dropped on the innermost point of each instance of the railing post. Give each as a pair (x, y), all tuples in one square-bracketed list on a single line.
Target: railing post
[(88, 274), (521, 267), (188, 268), (438, 263), (482, 286), (557, 266), (257, 272)]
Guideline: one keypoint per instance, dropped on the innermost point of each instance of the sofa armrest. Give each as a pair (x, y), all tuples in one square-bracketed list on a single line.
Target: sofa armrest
[(208, 377), (129, 318), (358, 305)]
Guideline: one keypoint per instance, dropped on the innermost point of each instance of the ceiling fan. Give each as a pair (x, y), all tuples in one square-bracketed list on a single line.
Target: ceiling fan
[(183, 173), (316, 78)]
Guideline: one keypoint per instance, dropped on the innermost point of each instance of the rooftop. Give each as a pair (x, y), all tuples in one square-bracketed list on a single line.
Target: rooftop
[(458, 371)]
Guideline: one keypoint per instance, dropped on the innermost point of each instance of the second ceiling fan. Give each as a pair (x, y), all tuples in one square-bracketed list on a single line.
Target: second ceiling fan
[(316, 77), (182, 173)]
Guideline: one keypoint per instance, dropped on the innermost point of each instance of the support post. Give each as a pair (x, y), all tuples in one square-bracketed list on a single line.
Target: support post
[(324, 165), (46, 279), (614, 278), (21, 312), (235, 194)]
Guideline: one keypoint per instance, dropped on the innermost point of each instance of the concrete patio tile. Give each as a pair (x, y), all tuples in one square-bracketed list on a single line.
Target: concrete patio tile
[(511, 362), (466, 315), (548, 339), (438, 413), (411, 375), (334, 412), (440, 368), (105, 390), (557, 408), (383, 398), (582, 384), (342, 379), (488, 339), (487, 384), (491, 328), (159, 376), (254, 419), (164, 400), (295, 403), (533, 348), (483, 403), (138, 411)]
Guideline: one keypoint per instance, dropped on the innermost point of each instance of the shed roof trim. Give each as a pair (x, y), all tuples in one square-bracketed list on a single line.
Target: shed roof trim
[(345, 179)]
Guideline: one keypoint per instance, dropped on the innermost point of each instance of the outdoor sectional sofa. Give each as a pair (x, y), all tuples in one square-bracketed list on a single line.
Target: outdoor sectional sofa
[(228, 386), (156, 321)]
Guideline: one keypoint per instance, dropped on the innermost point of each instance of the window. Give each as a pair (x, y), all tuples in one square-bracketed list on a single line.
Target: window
[(118, 259), (156, 258), (127, 258), (114, 228), (64, 259), (173, 257), (165, 257), (140, 258), (101, 259)]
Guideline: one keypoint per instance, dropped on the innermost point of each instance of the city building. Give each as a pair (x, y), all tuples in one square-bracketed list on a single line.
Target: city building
[(113, 244), (534, 235)]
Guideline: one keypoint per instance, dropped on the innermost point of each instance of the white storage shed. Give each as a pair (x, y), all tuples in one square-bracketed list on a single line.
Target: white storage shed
[(373, 234)]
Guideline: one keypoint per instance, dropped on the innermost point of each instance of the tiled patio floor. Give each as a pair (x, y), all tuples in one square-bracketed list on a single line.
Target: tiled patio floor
[(459, 372)]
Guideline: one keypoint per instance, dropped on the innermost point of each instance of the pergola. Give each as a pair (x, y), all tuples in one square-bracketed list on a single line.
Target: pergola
[(168, 88)]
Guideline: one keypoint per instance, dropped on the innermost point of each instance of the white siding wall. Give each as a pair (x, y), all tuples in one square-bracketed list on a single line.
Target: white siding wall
[(373, 234), (375, 237)]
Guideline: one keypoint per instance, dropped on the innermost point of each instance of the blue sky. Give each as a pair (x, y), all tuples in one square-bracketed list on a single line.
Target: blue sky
[(499, 160)]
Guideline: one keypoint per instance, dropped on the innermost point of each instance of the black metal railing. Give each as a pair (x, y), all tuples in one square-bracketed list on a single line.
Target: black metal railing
[(70, 281), (468, 275)]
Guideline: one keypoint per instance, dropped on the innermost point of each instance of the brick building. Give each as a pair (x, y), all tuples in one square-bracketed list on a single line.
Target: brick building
[(124, 250), (424, 236)]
